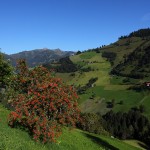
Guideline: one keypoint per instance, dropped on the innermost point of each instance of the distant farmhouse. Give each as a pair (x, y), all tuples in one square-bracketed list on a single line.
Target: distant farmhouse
[(147, 84)]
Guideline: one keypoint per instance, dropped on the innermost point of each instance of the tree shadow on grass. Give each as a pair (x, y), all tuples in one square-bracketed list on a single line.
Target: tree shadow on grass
[(143, 145), (100, 142)]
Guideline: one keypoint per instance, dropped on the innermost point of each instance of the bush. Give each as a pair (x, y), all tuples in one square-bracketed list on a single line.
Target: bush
[(5, 71), (93, 123), (42, 103), (81, 90), (111, 56), (87, 69)]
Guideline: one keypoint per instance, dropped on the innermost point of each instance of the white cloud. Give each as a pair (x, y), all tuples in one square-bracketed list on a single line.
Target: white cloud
[(146, 17)]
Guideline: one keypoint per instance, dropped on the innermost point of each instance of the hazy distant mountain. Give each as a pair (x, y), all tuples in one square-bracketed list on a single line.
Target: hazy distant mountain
[(38, 56)]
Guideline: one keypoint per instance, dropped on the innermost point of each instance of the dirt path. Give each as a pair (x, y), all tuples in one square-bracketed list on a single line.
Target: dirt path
[(142, 100)]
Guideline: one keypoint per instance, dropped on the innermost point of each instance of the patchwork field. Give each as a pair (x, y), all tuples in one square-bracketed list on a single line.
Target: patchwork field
[(106, 88)]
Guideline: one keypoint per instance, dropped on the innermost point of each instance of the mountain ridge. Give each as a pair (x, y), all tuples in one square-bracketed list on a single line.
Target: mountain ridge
[(38, 56)]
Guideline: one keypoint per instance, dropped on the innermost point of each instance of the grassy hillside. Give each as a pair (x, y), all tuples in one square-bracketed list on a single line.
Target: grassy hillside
[(15, 139), (106, 88), (100, 68), (136, 64), (123, 47), (131, 55)]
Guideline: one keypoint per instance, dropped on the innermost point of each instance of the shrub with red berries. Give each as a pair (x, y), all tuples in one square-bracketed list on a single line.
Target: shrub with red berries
[(42, 103)]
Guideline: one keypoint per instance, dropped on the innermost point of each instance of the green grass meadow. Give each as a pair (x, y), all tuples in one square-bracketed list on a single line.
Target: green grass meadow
[(74, 139), (107, 87)]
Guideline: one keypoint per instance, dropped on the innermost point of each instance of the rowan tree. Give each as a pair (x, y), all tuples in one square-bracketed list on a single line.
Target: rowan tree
[(42, 103)]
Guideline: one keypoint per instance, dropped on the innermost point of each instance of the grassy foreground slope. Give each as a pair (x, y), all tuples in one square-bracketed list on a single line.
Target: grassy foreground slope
[(15, 139)]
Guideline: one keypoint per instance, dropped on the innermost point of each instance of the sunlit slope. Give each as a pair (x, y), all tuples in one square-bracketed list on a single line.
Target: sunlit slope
[(132, 57), (106, 88), (15, 139), (99, 68)]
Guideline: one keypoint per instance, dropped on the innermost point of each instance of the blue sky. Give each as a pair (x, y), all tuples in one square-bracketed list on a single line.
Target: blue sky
[(68, 24)]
